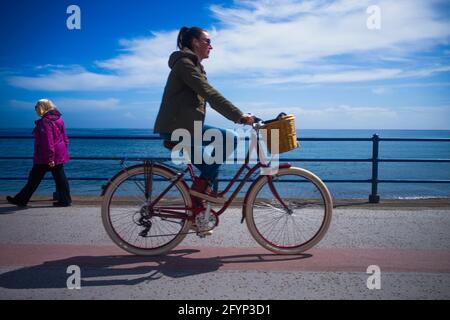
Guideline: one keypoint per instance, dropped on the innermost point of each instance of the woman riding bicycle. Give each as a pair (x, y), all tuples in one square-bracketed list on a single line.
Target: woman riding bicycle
[(148, 209), (184, 100)]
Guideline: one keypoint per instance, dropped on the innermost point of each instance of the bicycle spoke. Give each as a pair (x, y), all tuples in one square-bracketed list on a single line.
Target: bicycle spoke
[(148, 175), (140, 200), (135, 224), (294, 222), (269, 206)]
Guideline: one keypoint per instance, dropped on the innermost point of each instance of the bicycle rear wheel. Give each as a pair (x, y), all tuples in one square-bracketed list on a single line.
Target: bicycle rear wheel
[(134, 225), (289, 214)]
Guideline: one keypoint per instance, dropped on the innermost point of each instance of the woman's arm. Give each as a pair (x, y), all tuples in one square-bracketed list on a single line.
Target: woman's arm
[(45, 140), (65, 137), (197, 82)]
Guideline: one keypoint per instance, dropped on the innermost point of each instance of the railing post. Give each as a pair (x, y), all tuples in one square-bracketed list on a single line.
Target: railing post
[(374, 197)]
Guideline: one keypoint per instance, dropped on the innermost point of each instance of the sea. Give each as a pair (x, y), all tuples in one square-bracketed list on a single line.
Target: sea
[(308, 149)]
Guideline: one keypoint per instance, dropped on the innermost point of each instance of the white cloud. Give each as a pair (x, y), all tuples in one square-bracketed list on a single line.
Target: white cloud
[(380, 90), (341, 116), (351, 117), (76, 80), (362, 75), (86, 104), (19, 104), (276, 42), (65, 104), (143, 63), (339, 77), (129, 115), (313, 31)]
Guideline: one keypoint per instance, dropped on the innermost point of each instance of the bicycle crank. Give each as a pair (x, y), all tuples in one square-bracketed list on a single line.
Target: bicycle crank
[(206, 221)]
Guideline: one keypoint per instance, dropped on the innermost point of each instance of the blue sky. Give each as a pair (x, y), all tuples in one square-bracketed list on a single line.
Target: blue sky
[(315, 59)]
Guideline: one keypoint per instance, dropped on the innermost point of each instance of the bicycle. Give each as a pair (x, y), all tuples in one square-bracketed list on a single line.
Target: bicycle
[(147, 208)]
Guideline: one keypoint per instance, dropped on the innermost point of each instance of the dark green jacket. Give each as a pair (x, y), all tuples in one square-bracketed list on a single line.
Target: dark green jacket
[(186, 93)]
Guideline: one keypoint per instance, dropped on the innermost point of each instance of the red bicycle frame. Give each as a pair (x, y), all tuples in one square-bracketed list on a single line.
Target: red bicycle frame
[(170, 212)]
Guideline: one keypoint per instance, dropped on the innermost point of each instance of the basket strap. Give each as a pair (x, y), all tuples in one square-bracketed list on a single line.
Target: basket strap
[(281, 115)]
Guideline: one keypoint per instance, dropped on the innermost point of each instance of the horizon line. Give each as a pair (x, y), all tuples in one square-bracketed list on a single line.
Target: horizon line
[(151, 129)]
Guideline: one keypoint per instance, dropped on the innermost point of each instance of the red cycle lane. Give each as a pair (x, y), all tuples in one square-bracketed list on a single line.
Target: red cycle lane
[(220, 258)]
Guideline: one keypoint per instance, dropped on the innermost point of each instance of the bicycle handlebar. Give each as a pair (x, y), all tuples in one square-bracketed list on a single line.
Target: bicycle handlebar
[(258, 119), (257, 122)]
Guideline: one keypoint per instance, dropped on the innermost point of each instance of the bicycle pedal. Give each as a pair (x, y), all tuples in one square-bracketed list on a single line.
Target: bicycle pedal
[(203, 234), (144, 233), (199, 233)]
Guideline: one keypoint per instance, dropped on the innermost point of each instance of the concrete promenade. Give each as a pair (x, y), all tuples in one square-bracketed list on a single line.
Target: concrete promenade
[(408, 240)]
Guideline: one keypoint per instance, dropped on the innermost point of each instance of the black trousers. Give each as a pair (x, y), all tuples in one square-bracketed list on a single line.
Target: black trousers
[(35, 177)]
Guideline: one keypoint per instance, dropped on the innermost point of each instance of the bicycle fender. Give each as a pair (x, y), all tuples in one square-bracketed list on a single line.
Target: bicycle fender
[(105, 186), (246, 196), (281, 166)]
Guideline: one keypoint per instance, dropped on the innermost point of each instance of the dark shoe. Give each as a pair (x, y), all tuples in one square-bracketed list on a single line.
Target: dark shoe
[(198, 185), (59, 204), (200, 233), (13, 201)]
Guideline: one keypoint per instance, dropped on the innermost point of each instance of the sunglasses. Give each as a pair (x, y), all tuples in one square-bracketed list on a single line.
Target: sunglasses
[(207, 41)]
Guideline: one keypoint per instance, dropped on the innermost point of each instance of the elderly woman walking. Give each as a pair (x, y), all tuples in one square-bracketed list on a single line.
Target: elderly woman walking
[(50, 154)]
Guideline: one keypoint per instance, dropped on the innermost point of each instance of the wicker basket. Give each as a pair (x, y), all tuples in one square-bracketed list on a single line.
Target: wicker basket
[(286, 133)]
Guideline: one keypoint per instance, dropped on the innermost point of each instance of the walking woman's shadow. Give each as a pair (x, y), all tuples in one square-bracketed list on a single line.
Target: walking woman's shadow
[(11, 209), (125, 270), (6, 208)]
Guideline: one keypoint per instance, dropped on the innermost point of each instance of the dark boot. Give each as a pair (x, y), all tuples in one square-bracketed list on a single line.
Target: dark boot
[(201, 190), (202, 187), (198, 185), (13, 201)]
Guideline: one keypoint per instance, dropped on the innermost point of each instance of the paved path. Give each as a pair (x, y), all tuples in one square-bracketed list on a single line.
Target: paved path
[(411, 246)]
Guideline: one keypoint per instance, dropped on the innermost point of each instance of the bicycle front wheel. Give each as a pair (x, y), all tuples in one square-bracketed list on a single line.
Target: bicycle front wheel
[(290, 212), (135, 225)]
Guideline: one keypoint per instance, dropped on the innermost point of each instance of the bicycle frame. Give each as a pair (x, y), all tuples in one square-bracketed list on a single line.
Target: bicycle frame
[(169, 212)]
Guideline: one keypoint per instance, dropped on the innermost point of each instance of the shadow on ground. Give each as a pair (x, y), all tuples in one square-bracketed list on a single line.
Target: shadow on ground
[(11, 209), (7, 208), (126, 269)]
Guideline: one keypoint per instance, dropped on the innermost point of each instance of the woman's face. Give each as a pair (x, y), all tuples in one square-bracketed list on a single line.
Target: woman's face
[(38, 111), (202, 46)]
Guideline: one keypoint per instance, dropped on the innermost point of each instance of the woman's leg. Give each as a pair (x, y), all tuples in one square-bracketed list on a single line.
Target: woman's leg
[(215, 158), (62, 184), (208, 160), (196, 155), (35, 177)]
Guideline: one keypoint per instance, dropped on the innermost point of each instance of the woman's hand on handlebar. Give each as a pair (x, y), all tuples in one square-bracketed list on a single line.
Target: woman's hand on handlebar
[(247, 119)]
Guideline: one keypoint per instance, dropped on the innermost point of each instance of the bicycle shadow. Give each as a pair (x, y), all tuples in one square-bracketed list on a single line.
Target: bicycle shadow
[(126, 270)]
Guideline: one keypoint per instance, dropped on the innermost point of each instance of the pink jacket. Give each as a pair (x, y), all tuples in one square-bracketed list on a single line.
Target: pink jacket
[(51, 140)]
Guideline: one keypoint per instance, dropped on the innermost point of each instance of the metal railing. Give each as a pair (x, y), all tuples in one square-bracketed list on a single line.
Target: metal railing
[(374, 159)]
